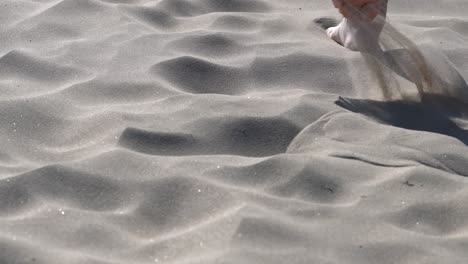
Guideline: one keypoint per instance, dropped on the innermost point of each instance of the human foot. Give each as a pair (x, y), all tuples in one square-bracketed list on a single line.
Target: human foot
[(360, 29)]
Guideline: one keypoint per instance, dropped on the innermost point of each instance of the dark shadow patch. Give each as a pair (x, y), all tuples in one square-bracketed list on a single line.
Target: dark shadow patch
[(326, 22), (154, 17), (180, 7), (199, 76), (252, 137), (433, 114), (258, 136), (158, 143)]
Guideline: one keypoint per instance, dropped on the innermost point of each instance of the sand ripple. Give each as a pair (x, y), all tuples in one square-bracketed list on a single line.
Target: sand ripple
[(216, 131)]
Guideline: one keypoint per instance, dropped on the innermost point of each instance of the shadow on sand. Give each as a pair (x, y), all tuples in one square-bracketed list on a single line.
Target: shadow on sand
[(433, 114)]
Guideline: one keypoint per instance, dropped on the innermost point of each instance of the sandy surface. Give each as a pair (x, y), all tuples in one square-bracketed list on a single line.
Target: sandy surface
[(217, 131)]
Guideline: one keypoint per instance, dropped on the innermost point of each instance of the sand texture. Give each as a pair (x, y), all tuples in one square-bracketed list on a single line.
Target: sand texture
[(228, 131)]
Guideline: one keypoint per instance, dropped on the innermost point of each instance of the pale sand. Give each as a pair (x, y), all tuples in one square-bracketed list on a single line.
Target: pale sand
[(216, 131)]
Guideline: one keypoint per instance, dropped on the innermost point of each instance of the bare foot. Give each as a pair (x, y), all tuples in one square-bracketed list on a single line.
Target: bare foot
[(361, 27)]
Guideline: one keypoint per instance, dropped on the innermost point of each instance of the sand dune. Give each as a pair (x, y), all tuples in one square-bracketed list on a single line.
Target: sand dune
[(227, 131)]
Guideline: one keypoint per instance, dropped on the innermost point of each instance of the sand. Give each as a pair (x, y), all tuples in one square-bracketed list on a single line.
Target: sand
[(216, 131)]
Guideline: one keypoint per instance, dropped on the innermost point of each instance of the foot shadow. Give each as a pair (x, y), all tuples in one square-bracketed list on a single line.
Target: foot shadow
[(433, 114)]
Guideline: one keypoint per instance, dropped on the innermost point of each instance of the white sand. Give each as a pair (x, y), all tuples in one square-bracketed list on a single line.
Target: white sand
[(222, 131)]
